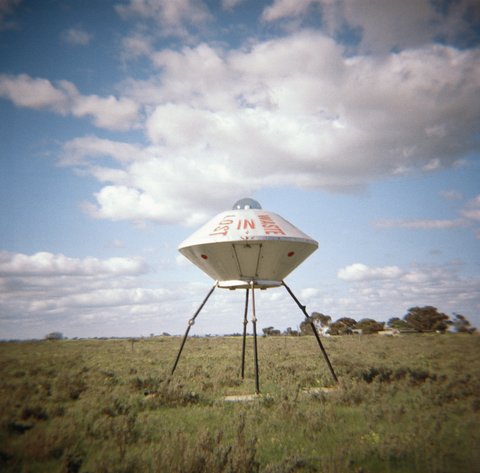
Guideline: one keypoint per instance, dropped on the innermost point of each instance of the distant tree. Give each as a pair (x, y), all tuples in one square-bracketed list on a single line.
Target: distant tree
[(318, 319), (462, 325), (323, 320), (369, 326), (306, 328), (267, 331), (291, 333), (427, 318), (342, 326), (271, 332), (54, 336), (397, 323)]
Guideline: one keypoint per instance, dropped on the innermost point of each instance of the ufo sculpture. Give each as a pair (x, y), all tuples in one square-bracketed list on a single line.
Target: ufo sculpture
[(249, 248)]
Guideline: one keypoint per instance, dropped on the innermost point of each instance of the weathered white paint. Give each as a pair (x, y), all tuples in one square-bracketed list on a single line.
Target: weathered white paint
[(248, 244)]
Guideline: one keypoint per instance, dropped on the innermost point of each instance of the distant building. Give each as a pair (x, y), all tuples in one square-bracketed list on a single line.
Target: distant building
[(395, 332)]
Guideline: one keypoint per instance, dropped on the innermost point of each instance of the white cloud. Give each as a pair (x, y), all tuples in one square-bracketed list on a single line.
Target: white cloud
[(309, 292), (172, 16), (46, 264), (393, 24), (361, 272), (81, 151), (472, 214), (42, 293), (118, 297), (110, 112), (290, 111), (38, 93), (473, 209), (76, 37), (384, 25), (48, 293), (287, 8), (451, 194), (136, 45), (45, 292), (169, 191), (229, 4), (422, 224), (440, 286)]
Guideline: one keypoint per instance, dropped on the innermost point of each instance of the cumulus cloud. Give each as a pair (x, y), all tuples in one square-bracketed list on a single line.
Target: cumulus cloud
[(287, 8), (173, 17), (38, 93), (423, 284), (136, 45), (50, 292), (152, 187), (385, 25), (82, 151), (76, 37), (49, 265), (41, 94), (159, 203), (361, 272), (109, 112), (309, 292), (291, 111)]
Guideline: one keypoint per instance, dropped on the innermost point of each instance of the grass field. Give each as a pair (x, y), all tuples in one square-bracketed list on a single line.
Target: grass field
[(402, 404)]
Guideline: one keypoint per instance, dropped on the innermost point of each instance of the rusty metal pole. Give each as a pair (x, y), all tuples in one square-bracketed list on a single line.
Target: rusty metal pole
[(245, 322), (254, 322), (309, 319), (190, 323)]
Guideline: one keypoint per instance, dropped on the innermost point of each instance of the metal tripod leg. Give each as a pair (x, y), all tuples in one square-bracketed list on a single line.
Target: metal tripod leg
[(190, 323), (245, 322), (302, 307), (254, 322)]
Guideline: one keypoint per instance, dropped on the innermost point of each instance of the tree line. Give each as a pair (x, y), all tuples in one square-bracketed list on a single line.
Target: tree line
[(419, 319)]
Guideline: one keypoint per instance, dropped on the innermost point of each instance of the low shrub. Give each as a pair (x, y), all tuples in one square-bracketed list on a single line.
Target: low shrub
[(402, 404)]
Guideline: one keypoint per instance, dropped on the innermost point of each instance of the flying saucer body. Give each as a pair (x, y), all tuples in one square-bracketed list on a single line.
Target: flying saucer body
[(248, 244)]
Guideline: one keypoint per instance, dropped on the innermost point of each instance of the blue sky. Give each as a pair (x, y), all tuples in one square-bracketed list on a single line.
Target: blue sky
[(125, 125)]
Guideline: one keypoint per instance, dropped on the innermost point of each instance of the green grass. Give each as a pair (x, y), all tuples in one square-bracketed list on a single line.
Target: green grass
[(403, 404)]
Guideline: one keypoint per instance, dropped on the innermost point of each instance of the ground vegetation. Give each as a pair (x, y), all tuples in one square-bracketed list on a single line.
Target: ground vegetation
[(403, 404)]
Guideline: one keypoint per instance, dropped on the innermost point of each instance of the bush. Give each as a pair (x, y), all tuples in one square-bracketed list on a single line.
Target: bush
[(54, 336), (408, 403)]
